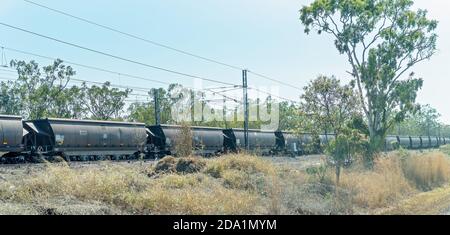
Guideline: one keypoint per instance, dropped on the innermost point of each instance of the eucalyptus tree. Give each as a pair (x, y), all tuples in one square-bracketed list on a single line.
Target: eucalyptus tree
[(105, 102), (40, 91), (382, 40)]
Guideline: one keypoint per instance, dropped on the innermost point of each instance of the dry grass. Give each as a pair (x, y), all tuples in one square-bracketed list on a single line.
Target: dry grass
[(397, 176), (186, 165), (377, 188), (428, 171), (248, 164), (427, 203), (234, 184), (180, 188)]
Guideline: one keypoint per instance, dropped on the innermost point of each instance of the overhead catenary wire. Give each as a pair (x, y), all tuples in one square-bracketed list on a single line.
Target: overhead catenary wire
[(108, 71), (135, 36), (115, 56), (272, 95), (274, 80), (87, 66), (137, 77), (129, 60), (131, 87), (158, 43)]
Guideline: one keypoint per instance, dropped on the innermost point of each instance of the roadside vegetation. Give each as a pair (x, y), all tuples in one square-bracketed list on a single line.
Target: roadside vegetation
[(234, 184)]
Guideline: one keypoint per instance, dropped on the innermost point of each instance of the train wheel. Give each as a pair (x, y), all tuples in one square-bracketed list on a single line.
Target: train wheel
[(39, 158), (65, 157)]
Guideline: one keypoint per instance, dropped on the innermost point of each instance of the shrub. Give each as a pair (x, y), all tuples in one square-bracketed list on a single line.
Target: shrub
[(183, 142)]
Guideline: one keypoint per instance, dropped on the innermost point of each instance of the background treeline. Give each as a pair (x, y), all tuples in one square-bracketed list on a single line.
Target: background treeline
[(52, 92), (45, 92)]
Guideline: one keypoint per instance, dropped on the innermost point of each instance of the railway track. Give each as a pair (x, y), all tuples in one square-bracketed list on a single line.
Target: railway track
[(56, 159)]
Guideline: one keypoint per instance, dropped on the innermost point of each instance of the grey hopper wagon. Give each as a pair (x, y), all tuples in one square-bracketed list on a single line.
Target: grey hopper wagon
[(405, 142), (260, 142), (416, 142), (85, 138), (443, 141), (288, 143), (434, 142), (208, 141), (11, 135), (426, 142), (205, 140)]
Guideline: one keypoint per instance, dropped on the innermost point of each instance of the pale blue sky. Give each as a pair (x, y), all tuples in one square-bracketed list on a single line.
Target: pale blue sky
[(262, 35)]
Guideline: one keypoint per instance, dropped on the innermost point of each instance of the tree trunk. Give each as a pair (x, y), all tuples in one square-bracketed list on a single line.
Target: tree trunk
[(338, 175)]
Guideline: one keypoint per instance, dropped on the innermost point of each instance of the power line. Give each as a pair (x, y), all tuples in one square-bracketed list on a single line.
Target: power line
[(129, 87), (134, 36), (137, 77), (99, 69), (158, 44), (109, 71), (115, 56), (272, 95), (210, 90), (274, 80), (75, 80), (86, 66)]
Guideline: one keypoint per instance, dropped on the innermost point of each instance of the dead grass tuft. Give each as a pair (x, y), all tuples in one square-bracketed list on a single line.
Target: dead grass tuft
[(377, 188), (165, 165), (187, 165), (244, 163), (190, 165)]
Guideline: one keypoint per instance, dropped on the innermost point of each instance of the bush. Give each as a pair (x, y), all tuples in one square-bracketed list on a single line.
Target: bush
[(183, 142)]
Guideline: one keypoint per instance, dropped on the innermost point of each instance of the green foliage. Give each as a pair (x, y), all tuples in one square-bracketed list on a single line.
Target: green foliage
[(39, 93), (45, 92), (104, 102), (289, 116), (332, 108), (344, 149), (382, 39), (424, 122), (10, 102), (327, 105), (318, 173)]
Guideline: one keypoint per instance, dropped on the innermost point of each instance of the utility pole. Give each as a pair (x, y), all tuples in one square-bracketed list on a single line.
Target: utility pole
[(225, 112), (157, 107), (245, 87), (203, 106), (4, 61)]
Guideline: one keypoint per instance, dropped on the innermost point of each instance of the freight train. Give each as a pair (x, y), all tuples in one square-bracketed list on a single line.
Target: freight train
[(83, 140)]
